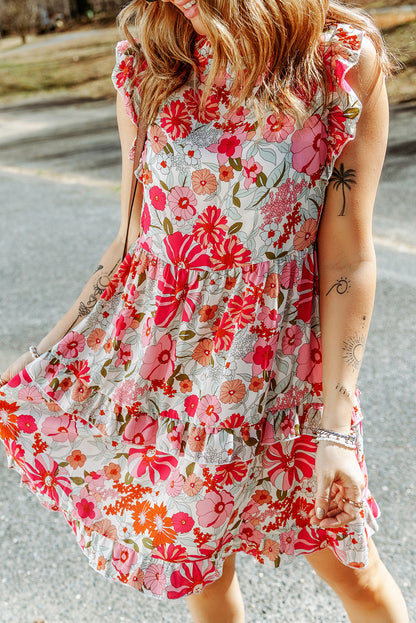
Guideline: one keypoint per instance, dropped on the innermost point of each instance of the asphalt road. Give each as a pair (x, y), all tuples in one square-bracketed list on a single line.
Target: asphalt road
[(59, 176)]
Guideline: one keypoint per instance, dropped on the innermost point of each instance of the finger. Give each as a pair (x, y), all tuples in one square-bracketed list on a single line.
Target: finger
[(323, 495), (4, 379), (343, 518)]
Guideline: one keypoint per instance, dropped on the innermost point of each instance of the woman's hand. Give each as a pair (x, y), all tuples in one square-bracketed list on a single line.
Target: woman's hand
[(15, 368), (339, 480)]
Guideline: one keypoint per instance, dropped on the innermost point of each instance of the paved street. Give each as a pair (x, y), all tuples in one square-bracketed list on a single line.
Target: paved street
[(59, 209)]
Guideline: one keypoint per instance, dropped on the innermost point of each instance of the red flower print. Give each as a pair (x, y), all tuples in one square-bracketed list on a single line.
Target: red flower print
[(159, 360), (182, 522), (126, 70), (191, 578), (231, 473), (80, 370), (261, 496), (182, 202), (289, 463), (306, 288), (191, 403), (262, 355), (290, 274), (310, 361), (210, 227), (171, 553), (71, 345), (8, 420), (230, 253), (209, 112), (175, 120), (156, 462), (46, 476), (309, 147), (177, 292), (157, 198), (145, 219), (124, 355), (230, 146), (185, 253), (26, 423), (122, 322), (251, 169), (214, 509), (223, 332), (242, 309)]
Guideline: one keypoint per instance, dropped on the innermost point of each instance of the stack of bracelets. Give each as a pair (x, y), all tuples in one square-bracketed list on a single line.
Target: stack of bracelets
[(348, 441)]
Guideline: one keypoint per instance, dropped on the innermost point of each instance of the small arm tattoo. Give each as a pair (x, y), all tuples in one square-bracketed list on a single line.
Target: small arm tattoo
[(343, 178), (344, 391), (341, 286), (353, 348)]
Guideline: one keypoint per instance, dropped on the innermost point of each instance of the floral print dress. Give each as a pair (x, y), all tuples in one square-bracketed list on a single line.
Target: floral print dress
[(174, 425)]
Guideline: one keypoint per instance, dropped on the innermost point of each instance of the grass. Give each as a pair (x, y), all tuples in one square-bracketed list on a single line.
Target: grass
[(82, 67)]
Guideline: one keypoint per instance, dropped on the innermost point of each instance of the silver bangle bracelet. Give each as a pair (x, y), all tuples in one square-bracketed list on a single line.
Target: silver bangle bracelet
[(34, 352), (348, 441)]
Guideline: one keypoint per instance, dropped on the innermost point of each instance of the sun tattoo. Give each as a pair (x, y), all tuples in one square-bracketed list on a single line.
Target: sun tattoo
[(342, 286), (353, 350), (343, 178)]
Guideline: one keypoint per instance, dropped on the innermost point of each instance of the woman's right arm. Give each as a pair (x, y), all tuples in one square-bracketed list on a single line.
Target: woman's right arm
[(111, 259)]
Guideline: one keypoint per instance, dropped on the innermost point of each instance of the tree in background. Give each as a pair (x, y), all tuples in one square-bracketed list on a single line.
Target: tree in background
[(19, 17)]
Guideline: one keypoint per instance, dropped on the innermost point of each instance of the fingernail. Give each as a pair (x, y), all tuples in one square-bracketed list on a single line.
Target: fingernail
[(320, 512)]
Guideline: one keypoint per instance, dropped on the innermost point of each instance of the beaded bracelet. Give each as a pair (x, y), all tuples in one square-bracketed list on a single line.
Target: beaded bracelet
[(348, 441), (34, 352)]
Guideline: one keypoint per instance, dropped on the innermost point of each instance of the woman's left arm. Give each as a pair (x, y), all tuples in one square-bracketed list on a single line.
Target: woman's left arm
[(347, 277)]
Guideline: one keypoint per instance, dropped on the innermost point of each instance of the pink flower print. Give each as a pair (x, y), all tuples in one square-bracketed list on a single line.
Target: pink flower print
[(30, 394), (208, 410), (106, 528), (157, 198), (177, 292), (290, 462), (147, 331), (159, 360), (126, 393), (185, 253), (210, 227), (288, 426), (136, 579), (269, 318), (122, 322), (26, 423), (230, 146), (278, 127), (141, 431), (175, 119), (309, 361), (124, 355), (191, 403), (262, 355), (309, 147), (155, 579), (291, 339), (287, 542), (289, 275), (230, 253), (214, 509), (174, 483), (123, 558), (182, 202), (46, 476), (193, 485), (248, 532), (156, 462), (95, 480), (71, 345), (158, 139), (60, 428), (175, 436), (251, 169), (52, 370), (145, 218), (191, 578), (182, 522), (306, 235), (85, 507)]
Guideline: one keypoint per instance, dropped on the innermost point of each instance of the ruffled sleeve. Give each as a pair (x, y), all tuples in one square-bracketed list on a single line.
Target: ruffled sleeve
[(124, 79), (341, 49)]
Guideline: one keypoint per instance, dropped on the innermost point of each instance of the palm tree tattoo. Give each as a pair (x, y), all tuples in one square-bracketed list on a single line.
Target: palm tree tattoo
[(343, 178)]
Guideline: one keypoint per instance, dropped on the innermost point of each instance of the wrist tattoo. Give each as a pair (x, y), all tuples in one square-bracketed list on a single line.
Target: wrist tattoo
[(342, 286), (343, 178), (344, 391), (353, 348)]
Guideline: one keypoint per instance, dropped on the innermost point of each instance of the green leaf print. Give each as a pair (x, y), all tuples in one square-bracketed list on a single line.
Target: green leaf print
[(270, 255), (186, 335), (190, 469), (169, 149), (351, 113), (77, 480), (167, 226), (261, 179), (236, 164), (164, 186), (236, 201), (234, 228), (147, 542)]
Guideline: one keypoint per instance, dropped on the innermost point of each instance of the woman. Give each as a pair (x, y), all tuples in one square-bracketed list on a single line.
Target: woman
[(207, 402)]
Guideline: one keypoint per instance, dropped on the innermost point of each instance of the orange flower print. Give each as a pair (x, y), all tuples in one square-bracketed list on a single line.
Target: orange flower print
[(256, 384), (196, 439), (270, 549), (112, 471), (8, 420), (136, 579), (80, 392), (207, 312), (95, 339), (226, 173), (306, 235), (204, 182), (186, 386), (101, 563), (158, 139), (141, 517), (272, 285), (232, 391), (160, 529), (76, 459), (230, 283), (193, 485), (202, 352), (106, 528)]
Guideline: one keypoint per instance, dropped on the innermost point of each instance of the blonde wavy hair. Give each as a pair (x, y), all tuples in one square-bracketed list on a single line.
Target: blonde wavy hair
[(283, 37)]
